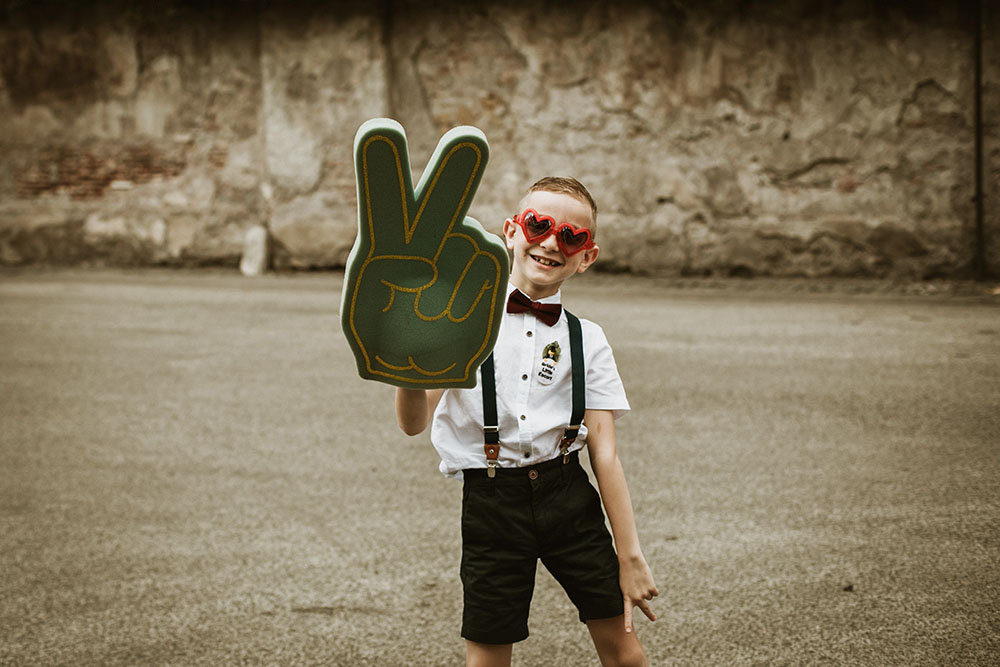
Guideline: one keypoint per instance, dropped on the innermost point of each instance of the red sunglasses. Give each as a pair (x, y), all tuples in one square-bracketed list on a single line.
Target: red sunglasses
[(570, 239)]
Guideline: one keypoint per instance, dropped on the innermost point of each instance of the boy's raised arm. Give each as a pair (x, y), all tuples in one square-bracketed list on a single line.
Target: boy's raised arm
[(414, 408), (635, 576)]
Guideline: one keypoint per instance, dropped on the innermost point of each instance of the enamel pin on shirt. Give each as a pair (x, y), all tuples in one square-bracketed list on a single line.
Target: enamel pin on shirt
[(547, 367)]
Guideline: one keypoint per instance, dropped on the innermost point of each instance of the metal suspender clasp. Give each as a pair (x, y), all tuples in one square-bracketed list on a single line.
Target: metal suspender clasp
[(569, 437), (492, 450)]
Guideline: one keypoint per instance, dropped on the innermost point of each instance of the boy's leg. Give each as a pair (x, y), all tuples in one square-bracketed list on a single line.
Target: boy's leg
[(499, 559), (615, 647), (487, 655), (580, 554)]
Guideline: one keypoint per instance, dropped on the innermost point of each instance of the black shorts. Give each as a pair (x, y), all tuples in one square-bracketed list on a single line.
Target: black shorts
[(548, 511)]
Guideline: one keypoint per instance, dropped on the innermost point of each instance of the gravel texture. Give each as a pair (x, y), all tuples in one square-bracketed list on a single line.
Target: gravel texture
[(193, 474)]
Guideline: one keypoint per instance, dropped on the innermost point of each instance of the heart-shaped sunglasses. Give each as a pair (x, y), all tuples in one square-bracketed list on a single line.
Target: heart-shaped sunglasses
[(570, 239)]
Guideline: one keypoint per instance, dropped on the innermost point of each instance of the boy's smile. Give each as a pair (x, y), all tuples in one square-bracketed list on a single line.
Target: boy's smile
[(539, 269), (544, 261)]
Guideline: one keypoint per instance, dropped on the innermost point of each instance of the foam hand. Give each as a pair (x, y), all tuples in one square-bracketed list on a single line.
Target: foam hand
[(424, 284)]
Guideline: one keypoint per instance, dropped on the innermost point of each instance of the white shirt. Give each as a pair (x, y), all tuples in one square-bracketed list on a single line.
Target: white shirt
[(532, 414)]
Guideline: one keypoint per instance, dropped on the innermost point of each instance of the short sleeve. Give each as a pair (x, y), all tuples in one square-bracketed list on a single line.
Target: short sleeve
[(605, 390)]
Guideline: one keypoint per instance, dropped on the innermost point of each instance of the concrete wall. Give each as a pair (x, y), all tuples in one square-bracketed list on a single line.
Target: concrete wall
[(720, 137)]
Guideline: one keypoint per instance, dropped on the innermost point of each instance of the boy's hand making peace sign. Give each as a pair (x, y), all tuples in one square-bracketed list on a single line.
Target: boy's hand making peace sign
[(424, 284)]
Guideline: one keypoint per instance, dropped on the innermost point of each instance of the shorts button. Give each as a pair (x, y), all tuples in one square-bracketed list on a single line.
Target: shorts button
[(532, 474)]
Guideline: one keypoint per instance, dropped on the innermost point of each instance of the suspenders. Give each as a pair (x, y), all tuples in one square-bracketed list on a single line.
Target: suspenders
[(491, 432)]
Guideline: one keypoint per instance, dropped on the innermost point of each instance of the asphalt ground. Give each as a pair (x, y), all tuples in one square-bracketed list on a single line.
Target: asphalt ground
[(193, 474)]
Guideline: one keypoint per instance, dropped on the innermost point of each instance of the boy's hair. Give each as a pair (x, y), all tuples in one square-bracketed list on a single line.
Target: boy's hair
[(569, 186)]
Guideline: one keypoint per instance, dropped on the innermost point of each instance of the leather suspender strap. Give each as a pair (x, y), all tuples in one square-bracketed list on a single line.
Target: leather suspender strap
[(491, 431), (579, 385)]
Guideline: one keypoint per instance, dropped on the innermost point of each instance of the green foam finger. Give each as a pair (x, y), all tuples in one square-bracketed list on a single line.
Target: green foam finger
[(385, 188), (449, 183), (472, 287), (424, 284)]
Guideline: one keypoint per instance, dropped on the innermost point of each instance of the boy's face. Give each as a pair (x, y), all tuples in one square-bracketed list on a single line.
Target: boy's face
[(539, 269)]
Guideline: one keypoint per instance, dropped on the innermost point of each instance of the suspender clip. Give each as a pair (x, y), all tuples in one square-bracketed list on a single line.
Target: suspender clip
[(569, 437), (492, 458)]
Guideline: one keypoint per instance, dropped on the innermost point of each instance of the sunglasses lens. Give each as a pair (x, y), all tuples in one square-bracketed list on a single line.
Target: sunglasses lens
[(535, 226), (574, 241)]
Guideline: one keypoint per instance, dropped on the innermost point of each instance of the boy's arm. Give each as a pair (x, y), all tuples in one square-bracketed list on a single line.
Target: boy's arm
[(414, 408), (635, 577)]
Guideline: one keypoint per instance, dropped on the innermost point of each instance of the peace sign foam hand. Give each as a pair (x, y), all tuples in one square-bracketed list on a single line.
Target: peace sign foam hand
[(424, 285)]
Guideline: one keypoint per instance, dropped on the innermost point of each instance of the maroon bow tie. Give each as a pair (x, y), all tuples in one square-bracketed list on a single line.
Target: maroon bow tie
[(546, 312)]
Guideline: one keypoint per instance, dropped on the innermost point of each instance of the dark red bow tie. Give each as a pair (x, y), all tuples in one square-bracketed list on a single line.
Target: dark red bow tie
[(546, 312)]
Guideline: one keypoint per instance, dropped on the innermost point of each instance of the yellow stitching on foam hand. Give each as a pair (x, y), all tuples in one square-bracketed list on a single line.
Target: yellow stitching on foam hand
[(465, 194), (482, 290), (454, 293), (413, 367), (408, 230), (392, 295), (402, 187)]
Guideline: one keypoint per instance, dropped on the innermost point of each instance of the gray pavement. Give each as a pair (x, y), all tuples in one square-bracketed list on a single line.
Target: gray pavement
[(193, 474)]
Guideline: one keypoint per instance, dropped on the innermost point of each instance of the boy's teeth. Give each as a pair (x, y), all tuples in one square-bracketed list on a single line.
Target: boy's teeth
[(546, 262)]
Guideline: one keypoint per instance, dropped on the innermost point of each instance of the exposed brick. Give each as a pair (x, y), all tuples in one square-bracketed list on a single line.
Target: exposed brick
[(87, 173)]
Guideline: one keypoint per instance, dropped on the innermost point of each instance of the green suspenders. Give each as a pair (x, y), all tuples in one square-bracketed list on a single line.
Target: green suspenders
[(491, 432)]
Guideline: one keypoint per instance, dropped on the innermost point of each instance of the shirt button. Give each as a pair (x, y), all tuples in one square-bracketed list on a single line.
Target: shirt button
[(524, 377), (526, 454), (529, 334), (523, 417)]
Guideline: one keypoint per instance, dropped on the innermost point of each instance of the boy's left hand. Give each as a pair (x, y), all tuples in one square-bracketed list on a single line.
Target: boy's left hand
[(638, 588)]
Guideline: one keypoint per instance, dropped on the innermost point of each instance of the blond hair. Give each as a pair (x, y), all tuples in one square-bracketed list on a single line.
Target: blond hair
[(567, 185)]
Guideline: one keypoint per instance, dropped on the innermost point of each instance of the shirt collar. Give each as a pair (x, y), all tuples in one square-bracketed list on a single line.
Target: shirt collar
[(555, 298)]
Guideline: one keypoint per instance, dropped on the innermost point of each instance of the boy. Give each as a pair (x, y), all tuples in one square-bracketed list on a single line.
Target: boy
[(525, 495)]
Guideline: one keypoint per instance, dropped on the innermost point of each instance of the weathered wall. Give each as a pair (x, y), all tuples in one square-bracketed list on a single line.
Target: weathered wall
[(723, 137)]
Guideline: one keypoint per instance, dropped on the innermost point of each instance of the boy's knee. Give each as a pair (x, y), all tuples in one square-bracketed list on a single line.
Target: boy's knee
[(617, 648), (625, 654), (632, 655)]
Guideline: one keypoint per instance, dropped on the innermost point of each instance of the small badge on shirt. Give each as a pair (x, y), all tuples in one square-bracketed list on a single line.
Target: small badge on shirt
[(547, 367)]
